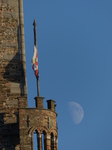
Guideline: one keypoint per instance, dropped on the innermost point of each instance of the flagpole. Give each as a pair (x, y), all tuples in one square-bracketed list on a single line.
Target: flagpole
[(35, 43)]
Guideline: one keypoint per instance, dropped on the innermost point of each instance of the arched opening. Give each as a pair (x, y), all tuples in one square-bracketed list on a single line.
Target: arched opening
[(35, 142), (39, 141), (43, 140), (52, 141)]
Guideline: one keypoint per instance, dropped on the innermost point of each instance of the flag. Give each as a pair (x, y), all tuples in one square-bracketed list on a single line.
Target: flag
[(35, 62)]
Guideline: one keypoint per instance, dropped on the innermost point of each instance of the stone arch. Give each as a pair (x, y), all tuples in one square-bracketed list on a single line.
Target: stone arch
[(39, 129), (54, 131), (41, 133), (31, 130), (54, 136)]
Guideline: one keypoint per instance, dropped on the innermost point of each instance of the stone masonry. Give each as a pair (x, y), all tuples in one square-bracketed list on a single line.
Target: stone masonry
[(40, 120), (18, 122)]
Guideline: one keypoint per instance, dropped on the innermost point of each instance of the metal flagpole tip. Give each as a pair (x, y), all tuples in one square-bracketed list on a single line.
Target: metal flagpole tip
[(34, 23)]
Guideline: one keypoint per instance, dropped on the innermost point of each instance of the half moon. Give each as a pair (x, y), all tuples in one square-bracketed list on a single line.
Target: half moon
[(76, 112)]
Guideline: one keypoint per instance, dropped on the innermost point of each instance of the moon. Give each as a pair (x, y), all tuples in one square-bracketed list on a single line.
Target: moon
[(76, 112)]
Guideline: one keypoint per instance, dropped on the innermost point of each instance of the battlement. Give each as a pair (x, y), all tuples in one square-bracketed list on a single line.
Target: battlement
[(50, 103), (39, 120)]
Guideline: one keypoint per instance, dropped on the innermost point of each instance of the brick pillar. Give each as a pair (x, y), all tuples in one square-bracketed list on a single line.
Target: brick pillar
[(48, 142), (51, 104), (55, 143), (54, 139), (22, 103), (39, 102), (39, 139)]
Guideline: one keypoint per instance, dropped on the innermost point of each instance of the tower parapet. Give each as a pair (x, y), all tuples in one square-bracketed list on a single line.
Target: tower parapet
[(39, 102), (51, 104), (39, 120)]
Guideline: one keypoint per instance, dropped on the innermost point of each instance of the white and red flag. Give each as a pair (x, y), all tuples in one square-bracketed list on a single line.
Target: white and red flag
[(35, 62)]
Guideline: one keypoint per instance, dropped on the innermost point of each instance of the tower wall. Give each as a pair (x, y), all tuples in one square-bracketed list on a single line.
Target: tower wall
[(13, 85), (40, 121), (12, 53)]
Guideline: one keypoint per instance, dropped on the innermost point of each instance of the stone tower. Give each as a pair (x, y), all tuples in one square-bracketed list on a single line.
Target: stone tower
[(18, 122)]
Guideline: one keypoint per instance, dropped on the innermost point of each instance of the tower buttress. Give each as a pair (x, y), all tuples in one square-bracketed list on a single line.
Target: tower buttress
[(13, 84)]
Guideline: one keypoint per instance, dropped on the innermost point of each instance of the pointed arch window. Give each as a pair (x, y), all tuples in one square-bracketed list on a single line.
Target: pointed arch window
[(52, 141), (35, 142), (39, 141)]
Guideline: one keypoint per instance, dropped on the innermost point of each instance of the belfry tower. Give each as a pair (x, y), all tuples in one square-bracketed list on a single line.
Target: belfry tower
[(18, 122)]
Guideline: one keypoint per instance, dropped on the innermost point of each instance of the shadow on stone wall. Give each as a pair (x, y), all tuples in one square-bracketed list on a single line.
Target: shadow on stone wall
[(14, 72), (9, 136)]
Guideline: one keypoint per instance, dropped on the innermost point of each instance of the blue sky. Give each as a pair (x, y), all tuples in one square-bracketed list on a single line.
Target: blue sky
[(75, 63)]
